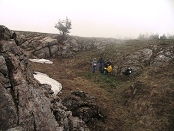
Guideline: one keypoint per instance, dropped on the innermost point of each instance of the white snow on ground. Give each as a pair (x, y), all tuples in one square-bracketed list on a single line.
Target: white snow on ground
[(45, 79), (41, 61)]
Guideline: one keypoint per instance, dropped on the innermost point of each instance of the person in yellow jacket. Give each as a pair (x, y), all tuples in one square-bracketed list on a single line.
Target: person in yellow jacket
[(108, 67)]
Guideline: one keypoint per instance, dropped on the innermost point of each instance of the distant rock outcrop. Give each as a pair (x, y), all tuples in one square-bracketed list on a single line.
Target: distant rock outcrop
[(42, 45), (152, 55), (25, 104)]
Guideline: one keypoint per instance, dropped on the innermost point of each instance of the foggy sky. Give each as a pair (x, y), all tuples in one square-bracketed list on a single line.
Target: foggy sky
[(91, 18)]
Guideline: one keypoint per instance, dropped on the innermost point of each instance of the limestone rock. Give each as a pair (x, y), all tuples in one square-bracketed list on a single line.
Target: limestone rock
[(25, 104)]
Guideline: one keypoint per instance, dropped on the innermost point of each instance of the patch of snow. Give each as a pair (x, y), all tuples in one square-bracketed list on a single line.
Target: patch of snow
[(41, 61), (45, 79)]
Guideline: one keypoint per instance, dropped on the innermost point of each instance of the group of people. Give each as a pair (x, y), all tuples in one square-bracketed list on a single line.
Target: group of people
[(106, 67)]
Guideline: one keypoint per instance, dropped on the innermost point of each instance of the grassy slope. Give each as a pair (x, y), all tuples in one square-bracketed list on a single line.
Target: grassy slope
[(75, 74)]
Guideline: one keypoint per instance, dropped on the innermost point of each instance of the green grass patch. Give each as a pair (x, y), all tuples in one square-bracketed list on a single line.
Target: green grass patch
[(107, 82)]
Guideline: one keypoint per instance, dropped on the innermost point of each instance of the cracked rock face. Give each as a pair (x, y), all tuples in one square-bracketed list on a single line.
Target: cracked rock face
[(24, 103)]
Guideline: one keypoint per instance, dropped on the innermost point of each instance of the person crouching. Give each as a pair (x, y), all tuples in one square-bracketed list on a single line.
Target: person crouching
[(128, 71), (108, 67)]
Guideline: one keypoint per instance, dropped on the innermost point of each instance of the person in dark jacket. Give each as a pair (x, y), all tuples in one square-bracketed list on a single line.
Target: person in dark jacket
[(101, 63)]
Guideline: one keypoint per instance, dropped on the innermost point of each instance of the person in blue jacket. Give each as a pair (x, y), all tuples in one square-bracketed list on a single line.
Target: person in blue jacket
[(101, 64)]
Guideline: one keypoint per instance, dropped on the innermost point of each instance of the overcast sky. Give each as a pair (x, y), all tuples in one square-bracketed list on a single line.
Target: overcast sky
[(90, 18)]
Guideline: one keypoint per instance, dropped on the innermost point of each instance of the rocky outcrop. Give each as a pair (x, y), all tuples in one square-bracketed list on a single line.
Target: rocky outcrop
[(163, 55), (42, 45), (83, 105), (25, 104), (19, 92), (153, 55), (6, 34)]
